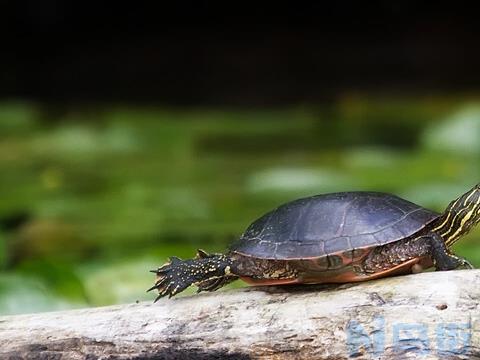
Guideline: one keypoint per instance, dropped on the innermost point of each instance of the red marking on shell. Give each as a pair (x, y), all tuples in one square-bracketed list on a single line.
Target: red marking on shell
[(349, 275), (345, 275), (258, 282)]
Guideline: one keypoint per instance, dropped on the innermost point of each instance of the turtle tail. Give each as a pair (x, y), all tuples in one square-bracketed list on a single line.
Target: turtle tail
[(208, 272)]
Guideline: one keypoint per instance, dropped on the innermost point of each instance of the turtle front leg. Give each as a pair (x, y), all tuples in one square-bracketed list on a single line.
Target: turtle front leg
[(443, 258)]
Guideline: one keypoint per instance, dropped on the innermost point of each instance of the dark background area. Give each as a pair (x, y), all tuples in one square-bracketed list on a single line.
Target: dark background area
[(239, 53)]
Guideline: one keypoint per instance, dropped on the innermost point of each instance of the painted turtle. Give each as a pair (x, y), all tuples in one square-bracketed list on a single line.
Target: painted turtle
[(331, 238)]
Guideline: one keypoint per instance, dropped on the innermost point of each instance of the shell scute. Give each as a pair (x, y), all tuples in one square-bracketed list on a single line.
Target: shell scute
[(332, 223)]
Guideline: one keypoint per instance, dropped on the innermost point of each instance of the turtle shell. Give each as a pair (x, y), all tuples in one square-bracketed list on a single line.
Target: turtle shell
[(327, 224)]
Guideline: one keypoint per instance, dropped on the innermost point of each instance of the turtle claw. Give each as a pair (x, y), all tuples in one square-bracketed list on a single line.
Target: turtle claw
[(158, 284), (172, 278), (162, 293), (152, 288), (202, 254), (173, 261), (466, 264), (168, 288)]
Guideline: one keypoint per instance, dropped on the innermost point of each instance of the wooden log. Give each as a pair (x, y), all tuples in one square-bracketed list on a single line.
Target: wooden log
[(433, 315)]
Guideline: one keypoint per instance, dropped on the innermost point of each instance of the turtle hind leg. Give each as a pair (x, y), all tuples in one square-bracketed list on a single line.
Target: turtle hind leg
[(208, 272)]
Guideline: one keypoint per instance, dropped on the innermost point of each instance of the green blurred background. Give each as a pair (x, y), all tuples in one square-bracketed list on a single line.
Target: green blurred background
[(133, 132), (88, 207)]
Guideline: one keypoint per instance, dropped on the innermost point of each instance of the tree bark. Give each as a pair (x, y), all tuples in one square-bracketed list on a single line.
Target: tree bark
[(432, 315)]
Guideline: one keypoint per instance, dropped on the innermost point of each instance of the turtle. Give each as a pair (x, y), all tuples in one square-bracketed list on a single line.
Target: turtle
[(338, 237)]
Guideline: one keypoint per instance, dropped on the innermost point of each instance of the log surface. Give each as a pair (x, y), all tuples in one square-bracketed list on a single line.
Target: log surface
[(432, 315)]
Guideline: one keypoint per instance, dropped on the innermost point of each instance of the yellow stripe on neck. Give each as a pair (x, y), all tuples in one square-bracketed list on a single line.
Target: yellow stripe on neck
[(461, 228)]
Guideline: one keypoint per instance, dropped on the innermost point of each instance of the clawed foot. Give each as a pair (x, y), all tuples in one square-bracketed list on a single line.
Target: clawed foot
[(464, 263), (209, 285), (170, 278), (215, 283), (208, 271)]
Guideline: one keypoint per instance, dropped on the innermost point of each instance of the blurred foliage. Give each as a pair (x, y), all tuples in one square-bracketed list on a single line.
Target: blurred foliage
[(92, 198)]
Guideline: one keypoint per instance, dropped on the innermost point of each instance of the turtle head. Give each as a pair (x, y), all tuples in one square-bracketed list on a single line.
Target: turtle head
[(460, 216)]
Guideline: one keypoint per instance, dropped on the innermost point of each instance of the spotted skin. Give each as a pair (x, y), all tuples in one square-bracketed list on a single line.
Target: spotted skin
[(208, 272), (333, 238)]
